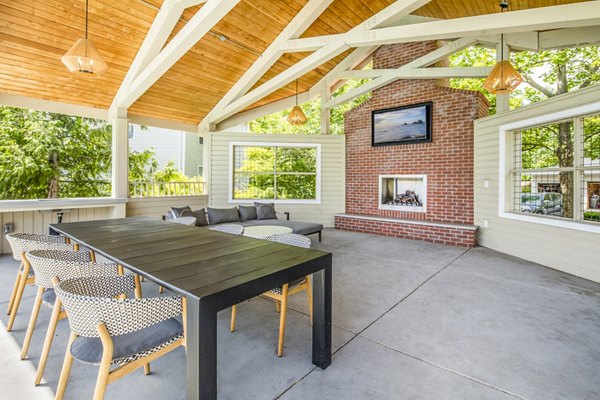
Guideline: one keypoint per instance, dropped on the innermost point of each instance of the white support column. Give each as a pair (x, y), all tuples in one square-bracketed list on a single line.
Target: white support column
[(120, 157), (325, 112), (502, 100)]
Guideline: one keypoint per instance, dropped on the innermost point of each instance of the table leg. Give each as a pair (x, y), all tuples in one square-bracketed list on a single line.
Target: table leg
[(322, 317), (201, 349)]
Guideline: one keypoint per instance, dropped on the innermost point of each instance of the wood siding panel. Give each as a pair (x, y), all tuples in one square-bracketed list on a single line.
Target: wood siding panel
[(157, 206)]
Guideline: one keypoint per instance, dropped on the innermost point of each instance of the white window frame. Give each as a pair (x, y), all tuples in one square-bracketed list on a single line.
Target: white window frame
[(317, 199), (505, 165)]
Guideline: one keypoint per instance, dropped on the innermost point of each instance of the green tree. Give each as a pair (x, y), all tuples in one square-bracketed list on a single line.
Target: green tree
[(48, 155)]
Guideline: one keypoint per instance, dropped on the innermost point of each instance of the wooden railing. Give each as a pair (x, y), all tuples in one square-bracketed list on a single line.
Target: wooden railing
[(161, 189)]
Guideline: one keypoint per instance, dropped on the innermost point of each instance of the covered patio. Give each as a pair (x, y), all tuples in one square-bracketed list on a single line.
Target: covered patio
[(444, 285), (437, 322)]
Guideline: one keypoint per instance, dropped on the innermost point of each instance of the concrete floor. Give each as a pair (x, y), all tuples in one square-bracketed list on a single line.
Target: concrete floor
[(412, 320)]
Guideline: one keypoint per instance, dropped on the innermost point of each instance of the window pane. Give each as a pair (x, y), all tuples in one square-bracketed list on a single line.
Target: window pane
[(547, 146), (590, 177), (301, 187), (254, 159), (253, 186), (544, 193), (296, 159)]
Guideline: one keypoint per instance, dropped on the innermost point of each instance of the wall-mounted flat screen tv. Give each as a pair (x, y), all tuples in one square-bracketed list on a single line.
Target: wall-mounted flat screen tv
[(401, 125)]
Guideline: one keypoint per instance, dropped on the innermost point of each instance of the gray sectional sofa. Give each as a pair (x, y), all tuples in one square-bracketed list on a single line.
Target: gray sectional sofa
[(258, 214)]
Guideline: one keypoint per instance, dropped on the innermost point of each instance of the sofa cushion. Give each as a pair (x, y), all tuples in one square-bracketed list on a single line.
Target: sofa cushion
[(177, 212), (247, 212), (302, 228), (89, 349), (200, 217), (222, 215), (265, 211)]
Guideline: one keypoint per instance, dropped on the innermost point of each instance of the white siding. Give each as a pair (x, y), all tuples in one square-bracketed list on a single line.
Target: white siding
[(193, 154), (332, 174), (37, 222), (569, 250), (168, 144)]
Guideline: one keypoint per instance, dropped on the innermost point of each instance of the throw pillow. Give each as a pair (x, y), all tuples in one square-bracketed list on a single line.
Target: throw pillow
[(247, 212), (200, 217), (265, 211), (222, 215), (176, 212)]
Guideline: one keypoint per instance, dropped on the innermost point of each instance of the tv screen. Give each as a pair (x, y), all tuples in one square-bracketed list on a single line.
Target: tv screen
[(400, 125)]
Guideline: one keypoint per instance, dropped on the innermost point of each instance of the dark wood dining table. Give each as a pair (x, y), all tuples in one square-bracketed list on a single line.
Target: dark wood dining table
[(214, 271)]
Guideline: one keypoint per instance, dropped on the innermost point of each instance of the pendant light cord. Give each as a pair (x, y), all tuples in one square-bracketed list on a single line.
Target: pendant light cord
[(296, 91)]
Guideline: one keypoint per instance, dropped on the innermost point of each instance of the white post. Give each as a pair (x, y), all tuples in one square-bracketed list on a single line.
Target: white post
[(502, 100), (325, 112), (120, 162)]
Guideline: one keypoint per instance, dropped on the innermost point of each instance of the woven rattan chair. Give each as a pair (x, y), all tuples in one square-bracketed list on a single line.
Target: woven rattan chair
[(21, 243), (280, 294), (234, 229), (48, 264), (106, 331)]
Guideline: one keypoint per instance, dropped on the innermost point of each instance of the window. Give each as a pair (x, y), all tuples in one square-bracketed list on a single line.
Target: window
[(556, 170), (200, 170), (275, 172), (131, 132)]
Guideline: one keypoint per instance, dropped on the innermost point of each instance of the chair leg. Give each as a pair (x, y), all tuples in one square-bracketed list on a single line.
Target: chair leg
[(13, 294), (161, 289), (66, 370), (138, 295), (284, 295), (104, 371), (32, 320), (92, 256), (48, 341), (233, 317), (278, 306), (309, 298), (319, 236), (18, 295)]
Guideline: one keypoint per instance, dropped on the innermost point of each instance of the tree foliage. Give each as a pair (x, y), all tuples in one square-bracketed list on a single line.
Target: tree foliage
[(46, 155)]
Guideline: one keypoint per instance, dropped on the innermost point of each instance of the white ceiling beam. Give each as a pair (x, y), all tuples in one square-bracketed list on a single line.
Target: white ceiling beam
[(33, 103), (419, 73), (184, 3), (545, 18), (300, 23), (155, 39), (408, 71), (547, 40), (204, 20), (325, 53)]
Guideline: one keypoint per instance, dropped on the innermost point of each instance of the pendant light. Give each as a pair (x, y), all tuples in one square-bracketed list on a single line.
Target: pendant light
[(83, 58), (504, 78), (296, 116)]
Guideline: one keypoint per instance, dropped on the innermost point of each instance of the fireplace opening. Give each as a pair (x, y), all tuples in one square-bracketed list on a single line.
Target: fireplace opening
[(403, 192)]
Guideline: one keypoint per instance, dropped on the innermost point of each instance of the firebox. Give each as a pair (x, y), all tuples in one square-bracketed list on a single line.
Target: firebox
[(403, 192)]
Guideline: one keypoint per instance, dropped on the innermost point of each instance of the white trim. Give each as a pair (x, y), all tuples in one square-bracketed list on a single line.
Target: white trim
[(317, 199), (33, 103), (506, 129), (54, 204), (421, 209)]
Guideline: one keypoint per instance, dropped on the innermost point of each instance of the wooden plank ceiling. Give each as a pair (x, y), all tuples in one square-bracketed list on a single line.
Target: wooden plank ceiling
[(34, 34)]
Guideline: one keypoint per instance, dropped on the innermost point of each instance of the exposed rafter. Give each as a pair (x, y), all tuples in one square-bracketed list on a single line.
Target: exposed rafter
[(325, 53), (547, 40), (143, 78), (564, 16)]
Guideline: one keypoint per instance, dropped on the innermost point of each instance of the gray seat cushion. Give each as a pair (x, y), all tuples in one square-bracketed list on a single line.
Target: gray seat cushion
[(89, 350), (302, 228)]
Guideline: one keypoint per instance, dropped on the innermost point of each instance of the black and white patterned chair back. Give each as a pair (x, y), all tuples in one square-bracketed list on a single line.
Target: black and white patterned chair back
[(64, 265), (293, 239), (91, 301), (234, 229), (23, 242)]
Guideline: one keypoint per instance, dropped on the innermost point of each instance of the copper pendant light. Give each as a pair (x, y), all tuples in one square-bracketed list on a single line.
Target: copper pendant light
[(83, 57), (296, 116), (504, 78)]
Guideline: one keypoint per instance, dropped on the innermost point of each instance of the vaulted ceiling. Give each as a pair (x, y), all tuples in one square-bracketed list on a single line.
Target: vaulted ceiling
[(34, 34)]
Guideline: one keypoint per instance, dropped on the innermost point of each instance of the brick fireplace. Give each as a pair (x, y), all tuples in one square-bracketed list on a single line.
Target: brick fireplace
[(439, 174)]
